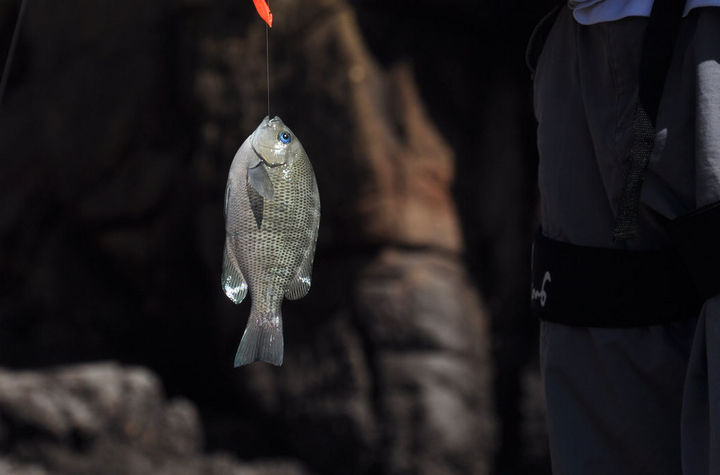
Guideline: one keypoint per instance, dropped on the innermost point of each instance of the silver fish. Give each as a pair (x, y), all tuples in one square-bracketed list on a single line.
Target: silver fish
[(272, 213)]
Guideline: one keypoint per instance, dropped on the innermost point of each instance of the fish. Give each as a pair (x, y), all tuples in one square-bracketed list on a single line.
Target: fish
[(272, 216)]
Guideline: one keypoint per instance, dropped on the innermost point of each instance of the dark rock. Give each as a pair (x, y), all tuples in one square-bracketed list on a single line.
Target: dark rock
[(103, 418), (9, 467)]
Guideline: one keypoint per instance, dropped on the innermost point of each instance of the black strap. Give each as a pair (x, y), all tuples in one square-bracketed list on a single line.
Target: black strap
[(609, 288), (658, 47)]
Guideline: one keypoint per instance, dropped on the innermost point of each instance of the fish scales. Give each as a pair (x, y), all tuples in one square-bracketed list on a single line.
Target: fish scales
[(273, 253), (272, 217)]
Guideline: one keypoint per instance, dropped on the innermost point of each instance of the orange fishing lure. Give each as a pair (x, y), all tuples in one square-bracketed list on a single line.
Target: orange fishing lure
[(264, 11)]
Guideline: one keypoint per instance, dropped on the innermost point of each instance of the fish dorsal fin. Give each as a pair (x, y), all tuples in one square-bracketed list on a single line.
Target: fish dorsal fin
[(232, 280), (259, 180), (228, 191)]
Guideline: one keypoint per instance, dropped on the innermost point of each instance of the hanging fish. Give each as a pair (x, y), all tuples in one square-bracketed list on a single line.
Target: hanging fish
[(264, 11), (272, 213)]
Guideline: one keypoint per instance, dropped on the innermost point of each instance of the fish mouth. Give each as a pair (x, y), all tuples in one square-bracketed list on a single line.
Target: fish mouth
[(267, 123)]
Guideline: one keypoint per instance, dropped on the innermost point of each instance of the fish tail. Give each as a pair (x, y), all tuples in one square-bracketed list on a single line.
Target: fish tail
[(262, 340)]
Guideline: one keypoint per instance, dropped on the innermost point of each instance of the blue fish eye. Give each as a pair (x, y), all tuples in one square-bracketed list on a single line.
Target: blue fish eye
[(284, 137)]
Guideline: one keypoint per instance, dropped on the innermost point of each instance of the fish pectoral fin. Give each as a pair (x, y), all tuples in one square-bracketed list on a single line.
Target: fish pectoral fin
[(300, 285), (232, 281), (257, 205), (259, 180)]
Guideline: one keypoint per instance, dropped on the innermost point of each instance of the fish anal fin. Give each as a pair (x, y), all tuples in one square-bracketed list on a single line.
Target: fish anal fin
[(299, 288), (232, 281)]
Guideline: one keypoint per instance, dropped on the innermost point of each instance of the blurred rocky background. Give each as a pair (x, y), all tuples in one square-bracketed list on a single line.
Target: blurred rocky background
[(414, 353)]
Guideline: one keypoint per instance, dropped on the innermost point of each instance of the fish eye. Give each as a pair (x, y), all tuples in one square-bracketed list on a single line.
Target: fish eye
[(284, 137)]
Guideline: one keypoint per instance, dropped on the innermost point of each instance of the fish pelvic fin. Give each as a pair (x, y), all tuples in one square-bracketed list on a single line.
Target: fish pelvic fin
[(262, 340)]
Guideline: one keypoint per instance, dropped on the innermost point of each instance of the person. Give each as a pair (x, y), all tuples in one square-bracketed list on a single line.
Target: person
[(629, 345)]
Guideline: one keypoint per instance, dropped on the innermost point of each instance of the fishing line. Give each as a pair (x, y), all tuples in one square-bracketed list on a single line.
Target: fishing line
[(267, 62), (267, 66), (11, 51)]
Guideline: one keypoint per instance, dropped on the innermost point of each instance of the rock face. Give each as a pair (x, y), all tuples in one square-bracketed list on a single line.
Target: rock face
[(430, 349), (103, 418), (397, 342), (385, 170), (117, 133)]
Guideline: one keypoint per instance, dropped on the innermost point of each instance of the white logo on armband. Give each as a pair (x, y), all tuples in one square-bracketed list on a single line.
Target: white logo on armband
[(541, 294)]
